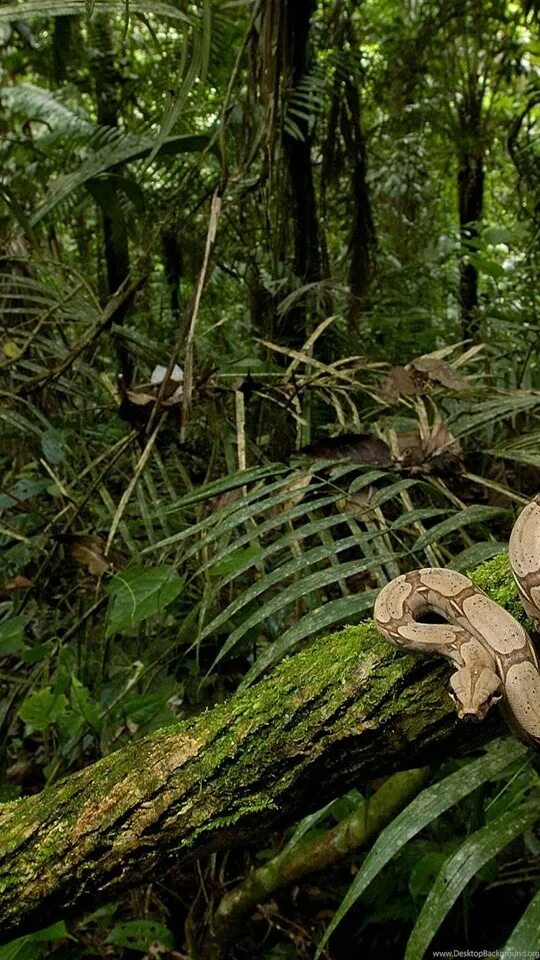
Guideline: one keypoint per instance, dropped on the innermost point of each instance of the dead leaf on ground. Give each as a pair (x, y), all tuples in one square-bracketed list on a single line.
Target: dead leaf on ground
[(87, 551), (16, 583)]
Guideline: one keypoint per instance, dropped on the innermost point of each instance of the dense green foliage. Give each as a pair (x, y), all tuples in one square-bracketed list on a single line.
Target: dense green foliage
[(321, 219)]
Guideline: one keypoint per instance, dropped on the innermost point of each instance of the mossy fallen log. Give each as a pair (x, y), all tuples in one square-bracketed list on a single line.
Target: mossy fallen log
[(347, 708)]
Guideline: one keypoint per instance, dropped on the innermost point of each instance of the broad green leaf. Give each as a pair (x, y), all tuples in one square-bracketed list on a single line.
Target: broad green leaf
[(335, 611), (487, 265), (57, 931), (11, 636), (495, 235), (53, 444), (424, 872), (37, 653), (43, 708), (27, 947), (140, 593), (525, 936), (84, 704), (140, 934), (425, 808), (474, 514), (235, 562), (462, 866), (24, 948)]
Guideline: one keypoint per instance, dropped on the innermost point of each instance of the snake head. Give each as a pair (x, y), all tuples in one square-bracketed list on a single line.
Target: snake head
[(474, 690)]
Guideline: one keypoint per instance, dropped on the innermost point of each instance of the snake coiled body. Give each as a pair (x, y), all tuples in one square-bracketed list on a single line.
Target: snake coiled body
[(493, 653)]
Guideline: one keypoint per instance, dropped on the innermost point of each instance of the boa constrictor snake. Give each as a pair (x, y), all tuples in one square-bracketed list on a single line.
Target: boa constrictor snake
[(493, 654)]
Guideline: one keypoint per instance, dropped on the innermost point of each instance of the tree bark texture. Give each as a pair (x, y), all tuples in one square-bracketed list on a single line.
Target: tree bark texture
[(470, 183), (346, 709), (108, 88), (297, 21)]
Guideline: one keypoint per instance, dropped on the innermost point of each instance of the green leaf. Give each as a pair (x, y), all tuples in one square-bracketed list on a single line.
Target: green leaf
[(140, 934), (412, 516), (140, 593), (122, 148), (295, 536), (284, 572), (476, 554), (231, 482), (335, 611), (495, 235), (461, 867), (474, 514), (525, 936), (26, 948), (425, 808), (486, 265), (64, 8), (21, 949), (300, 588), (234, 562), (305, 825), (37, 653), (43, 708), (84, 704), (11, 636), (53, 444), (425, 871)]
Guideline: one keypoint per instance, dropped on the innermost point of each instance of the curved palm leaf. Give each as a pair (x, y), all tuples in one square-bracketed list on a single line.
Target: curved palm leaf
[(40, 8), (425, 808), (121, 148), (461, 867)]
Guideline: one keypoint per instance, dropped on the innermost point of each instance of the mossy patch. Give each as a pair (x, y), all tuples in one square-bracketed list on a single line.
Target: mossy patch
[(495, 577)]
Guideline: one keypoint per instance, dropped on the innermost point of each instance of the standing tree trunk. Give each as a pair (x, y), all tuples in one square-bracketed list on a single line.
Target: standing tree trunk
[(284, 59), (107, 83), (470, 186), (307, 259), (363, 240)]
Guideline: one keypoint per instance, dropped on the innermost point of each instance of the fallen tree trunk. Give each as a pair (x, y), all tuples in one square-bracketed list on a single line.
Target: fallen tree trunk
[(346, 709)]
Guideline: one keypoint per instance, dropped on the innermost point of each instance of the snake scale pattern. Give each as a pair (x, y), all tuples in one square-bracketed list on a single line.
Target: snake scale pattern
[(493, 654)]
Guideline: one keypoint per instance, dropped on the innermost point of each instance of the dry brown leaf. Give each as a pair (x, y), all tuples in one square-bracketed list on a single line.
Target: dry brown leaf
[(87, 551), (16, 583), (440, 372), (398, 382), (439, 452), (443, 450)]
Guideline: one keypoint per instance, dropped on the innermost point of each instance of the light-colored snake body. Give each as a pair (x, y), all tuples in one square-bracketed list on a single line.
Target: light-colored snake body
[(494, 655)]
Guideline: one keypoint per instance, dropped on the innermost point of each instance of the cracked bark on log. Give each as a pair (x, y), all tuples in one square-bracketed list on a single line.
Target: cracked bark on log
[(346, 709)]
